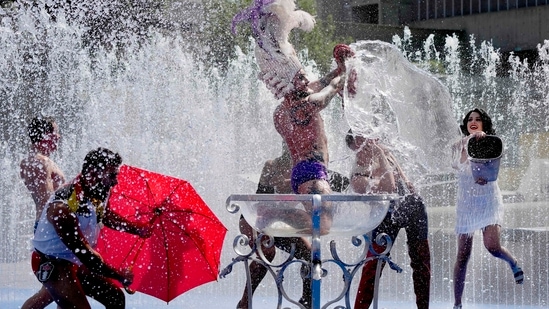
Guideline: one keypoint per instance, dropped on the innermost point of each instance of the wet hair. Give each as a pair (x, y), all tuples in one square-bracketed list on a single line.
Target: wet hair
[(100, 158), (39, 127), (487, 126), (350, 138)]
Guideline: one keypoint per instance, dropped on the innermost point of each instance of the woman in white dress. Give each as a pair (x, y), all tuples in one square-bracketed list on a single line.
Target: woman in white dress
[(479, 205)]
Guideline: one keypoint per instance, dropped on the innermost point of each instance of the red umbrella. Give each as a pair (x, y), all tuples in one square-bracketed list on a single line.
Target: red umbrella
[(185, 247)]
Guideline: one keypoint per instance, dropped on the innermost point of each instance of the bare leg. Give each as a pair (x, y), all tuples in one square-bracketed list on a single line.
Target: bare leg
[(102, 290), (297, 219), (465, 246), (39, 300), (65, 288), (257, 271), (318, 186), (491, 237)]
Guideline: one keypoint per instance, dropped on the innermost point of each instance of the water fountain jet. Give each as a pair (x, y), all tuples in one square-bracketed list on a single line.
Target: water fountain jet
[(165, 112)]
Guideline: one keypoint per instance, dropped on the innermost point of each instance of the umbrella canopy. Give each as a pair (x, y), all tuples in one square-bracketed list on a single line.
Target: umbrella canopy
[(185, 247)]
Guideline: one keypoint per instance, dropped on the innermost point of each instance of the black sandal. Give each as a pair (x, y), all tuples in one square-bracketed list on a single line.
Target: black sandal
[(519, 275)]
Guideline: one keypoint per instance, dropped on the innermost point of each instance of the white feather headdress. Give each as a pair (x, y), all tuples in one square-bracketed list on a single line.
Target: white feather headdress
[(272, 21)]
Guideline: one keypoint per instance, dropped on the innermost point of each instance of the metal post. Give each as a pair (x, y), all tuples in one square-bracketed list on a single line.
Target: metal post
[(376, 284), (248, 284), (316, 266)]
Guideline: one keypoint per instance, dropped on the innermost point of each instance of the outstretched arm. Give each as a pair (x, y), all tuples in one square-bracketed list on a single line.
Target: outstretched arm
[(117, 222), (322, 98), (325, 81)]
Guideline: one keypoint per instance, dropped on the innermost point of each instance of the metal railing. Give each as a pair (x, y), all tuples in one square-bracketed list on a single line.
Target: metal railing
[(316, 271)]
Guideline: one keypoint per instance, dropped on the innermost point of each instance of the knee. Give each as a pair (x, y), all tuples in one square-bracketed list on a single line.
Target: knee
[(494, 249)]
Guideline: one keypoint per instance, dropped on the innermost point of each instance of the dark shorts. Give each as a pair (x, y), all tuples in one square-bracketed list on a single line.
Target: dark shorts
[(308, 170), (410, 215)]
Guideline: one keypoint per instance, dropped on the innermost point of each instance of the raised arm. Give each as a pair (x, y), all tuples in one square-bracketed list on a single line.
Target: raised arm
[(322, 98), (328, 86)]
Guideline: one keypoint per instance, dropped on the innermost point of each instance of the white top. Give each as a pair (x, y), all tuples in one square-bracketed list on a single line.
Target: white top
[(477, 205), (48, 242)]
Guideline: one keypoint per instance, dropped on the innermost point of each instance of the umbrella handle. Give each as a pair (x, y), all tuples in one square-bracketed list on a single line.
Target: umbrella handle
[(126, 284)]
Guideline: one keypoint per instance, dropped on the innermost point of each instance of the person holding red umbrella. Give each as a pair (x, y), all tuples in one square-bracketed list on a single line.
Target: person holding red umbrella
[(69, 267)]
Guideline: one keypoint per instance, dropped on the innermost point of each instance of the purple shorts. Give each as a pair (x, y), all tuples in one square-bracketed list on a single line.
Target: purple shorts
[(307, 170)]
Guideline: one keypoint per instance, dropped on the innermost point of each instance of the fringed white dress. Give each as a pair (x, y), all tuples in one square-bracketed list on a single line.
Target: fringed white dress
[(477, 205)]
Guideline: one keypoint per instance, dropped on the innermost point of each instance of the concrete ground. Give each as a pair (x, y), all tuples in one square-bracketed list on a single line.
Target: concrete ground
[(489, 281)]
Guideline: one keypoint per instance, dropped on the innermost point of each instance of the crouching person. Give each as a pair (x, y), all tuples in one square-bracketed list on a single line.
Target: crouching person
[(66, 262)]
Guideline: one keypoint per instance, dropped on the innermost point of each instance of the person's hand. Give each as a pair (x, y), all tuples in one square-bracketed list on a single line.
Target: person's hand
[(410, 186), (342, 52), (145, 231), (126, 277), (478, 135), (481, 181), (351, 85)]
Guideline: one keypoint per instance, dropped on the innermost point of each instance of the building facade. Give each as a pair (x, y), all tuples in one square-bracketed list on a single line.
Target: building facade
[(511, 25)]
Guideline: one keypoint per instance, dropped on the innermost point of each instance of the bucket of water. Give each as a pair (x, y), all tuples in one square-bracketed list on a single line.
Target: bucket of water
[(484, 156)]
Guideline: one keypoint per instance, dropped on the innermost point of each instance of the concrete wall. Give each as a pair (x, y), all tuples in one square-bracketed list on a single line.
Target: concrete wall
[(513, 30)]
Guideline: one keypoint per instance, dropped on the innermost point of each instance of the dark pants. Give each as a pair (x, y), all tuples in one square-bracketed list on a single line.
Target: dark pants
[(412, 217)]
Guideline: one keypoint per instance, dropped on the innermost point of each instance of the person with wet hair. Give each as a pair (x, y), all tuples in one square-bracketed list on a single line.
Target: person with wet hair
[(40, 174), (377, 171), (68, 265), (42, 177), (479, 205)]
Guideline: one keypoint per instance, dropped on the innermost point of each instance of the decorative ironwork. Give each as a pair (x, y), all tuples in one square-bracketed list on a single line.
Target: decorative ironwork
[(253, 252)]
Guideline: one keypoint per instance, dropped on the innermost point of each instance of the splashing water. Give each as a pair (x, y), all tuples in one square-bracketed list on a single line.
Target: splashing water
[(152, 102), (406, 107)]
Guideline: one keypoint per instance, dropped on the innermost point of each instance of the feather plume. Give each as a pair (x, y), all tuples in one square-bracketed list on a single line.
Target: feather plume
[(271, 22)]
